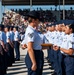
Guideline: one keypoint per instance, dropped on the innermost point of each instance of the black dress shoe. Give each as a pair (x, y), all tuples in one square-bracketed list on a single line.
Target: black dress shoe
[(17, 59), (54, 73)]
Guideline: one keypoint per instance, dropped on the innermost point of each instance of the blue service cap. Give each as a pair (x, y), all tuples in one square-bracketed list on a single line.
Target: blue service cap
[(1, 25), (59, 22), (48, 25), (34, 14), (54, 24), (66, 22)]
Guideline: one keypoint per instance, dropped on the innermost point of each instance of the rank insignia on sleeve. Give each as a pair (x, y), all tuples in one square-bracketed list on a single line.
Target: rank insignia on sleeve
[(30, 35)]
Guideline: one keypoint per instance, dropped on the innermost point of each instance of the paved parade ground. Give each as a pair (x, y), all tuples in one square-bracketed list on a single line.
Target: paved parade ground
[(19, 67)]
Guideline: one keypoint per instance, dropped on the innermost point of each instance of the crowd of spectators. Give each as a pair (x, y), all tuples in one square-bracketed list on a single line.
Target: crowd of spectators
[(19, 18), (69, 14)]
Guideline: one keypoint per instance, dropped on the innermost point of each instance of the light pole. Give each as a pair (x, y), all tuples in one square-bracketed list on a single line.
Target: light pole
[(0, 11), (30, 5), (63, 9), (59, 9)]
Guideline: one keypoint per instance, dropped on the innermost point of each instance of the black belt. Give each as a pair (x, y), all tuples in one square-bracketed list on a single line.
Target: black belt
[(71, 56), (68, 55), (37, 50)]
